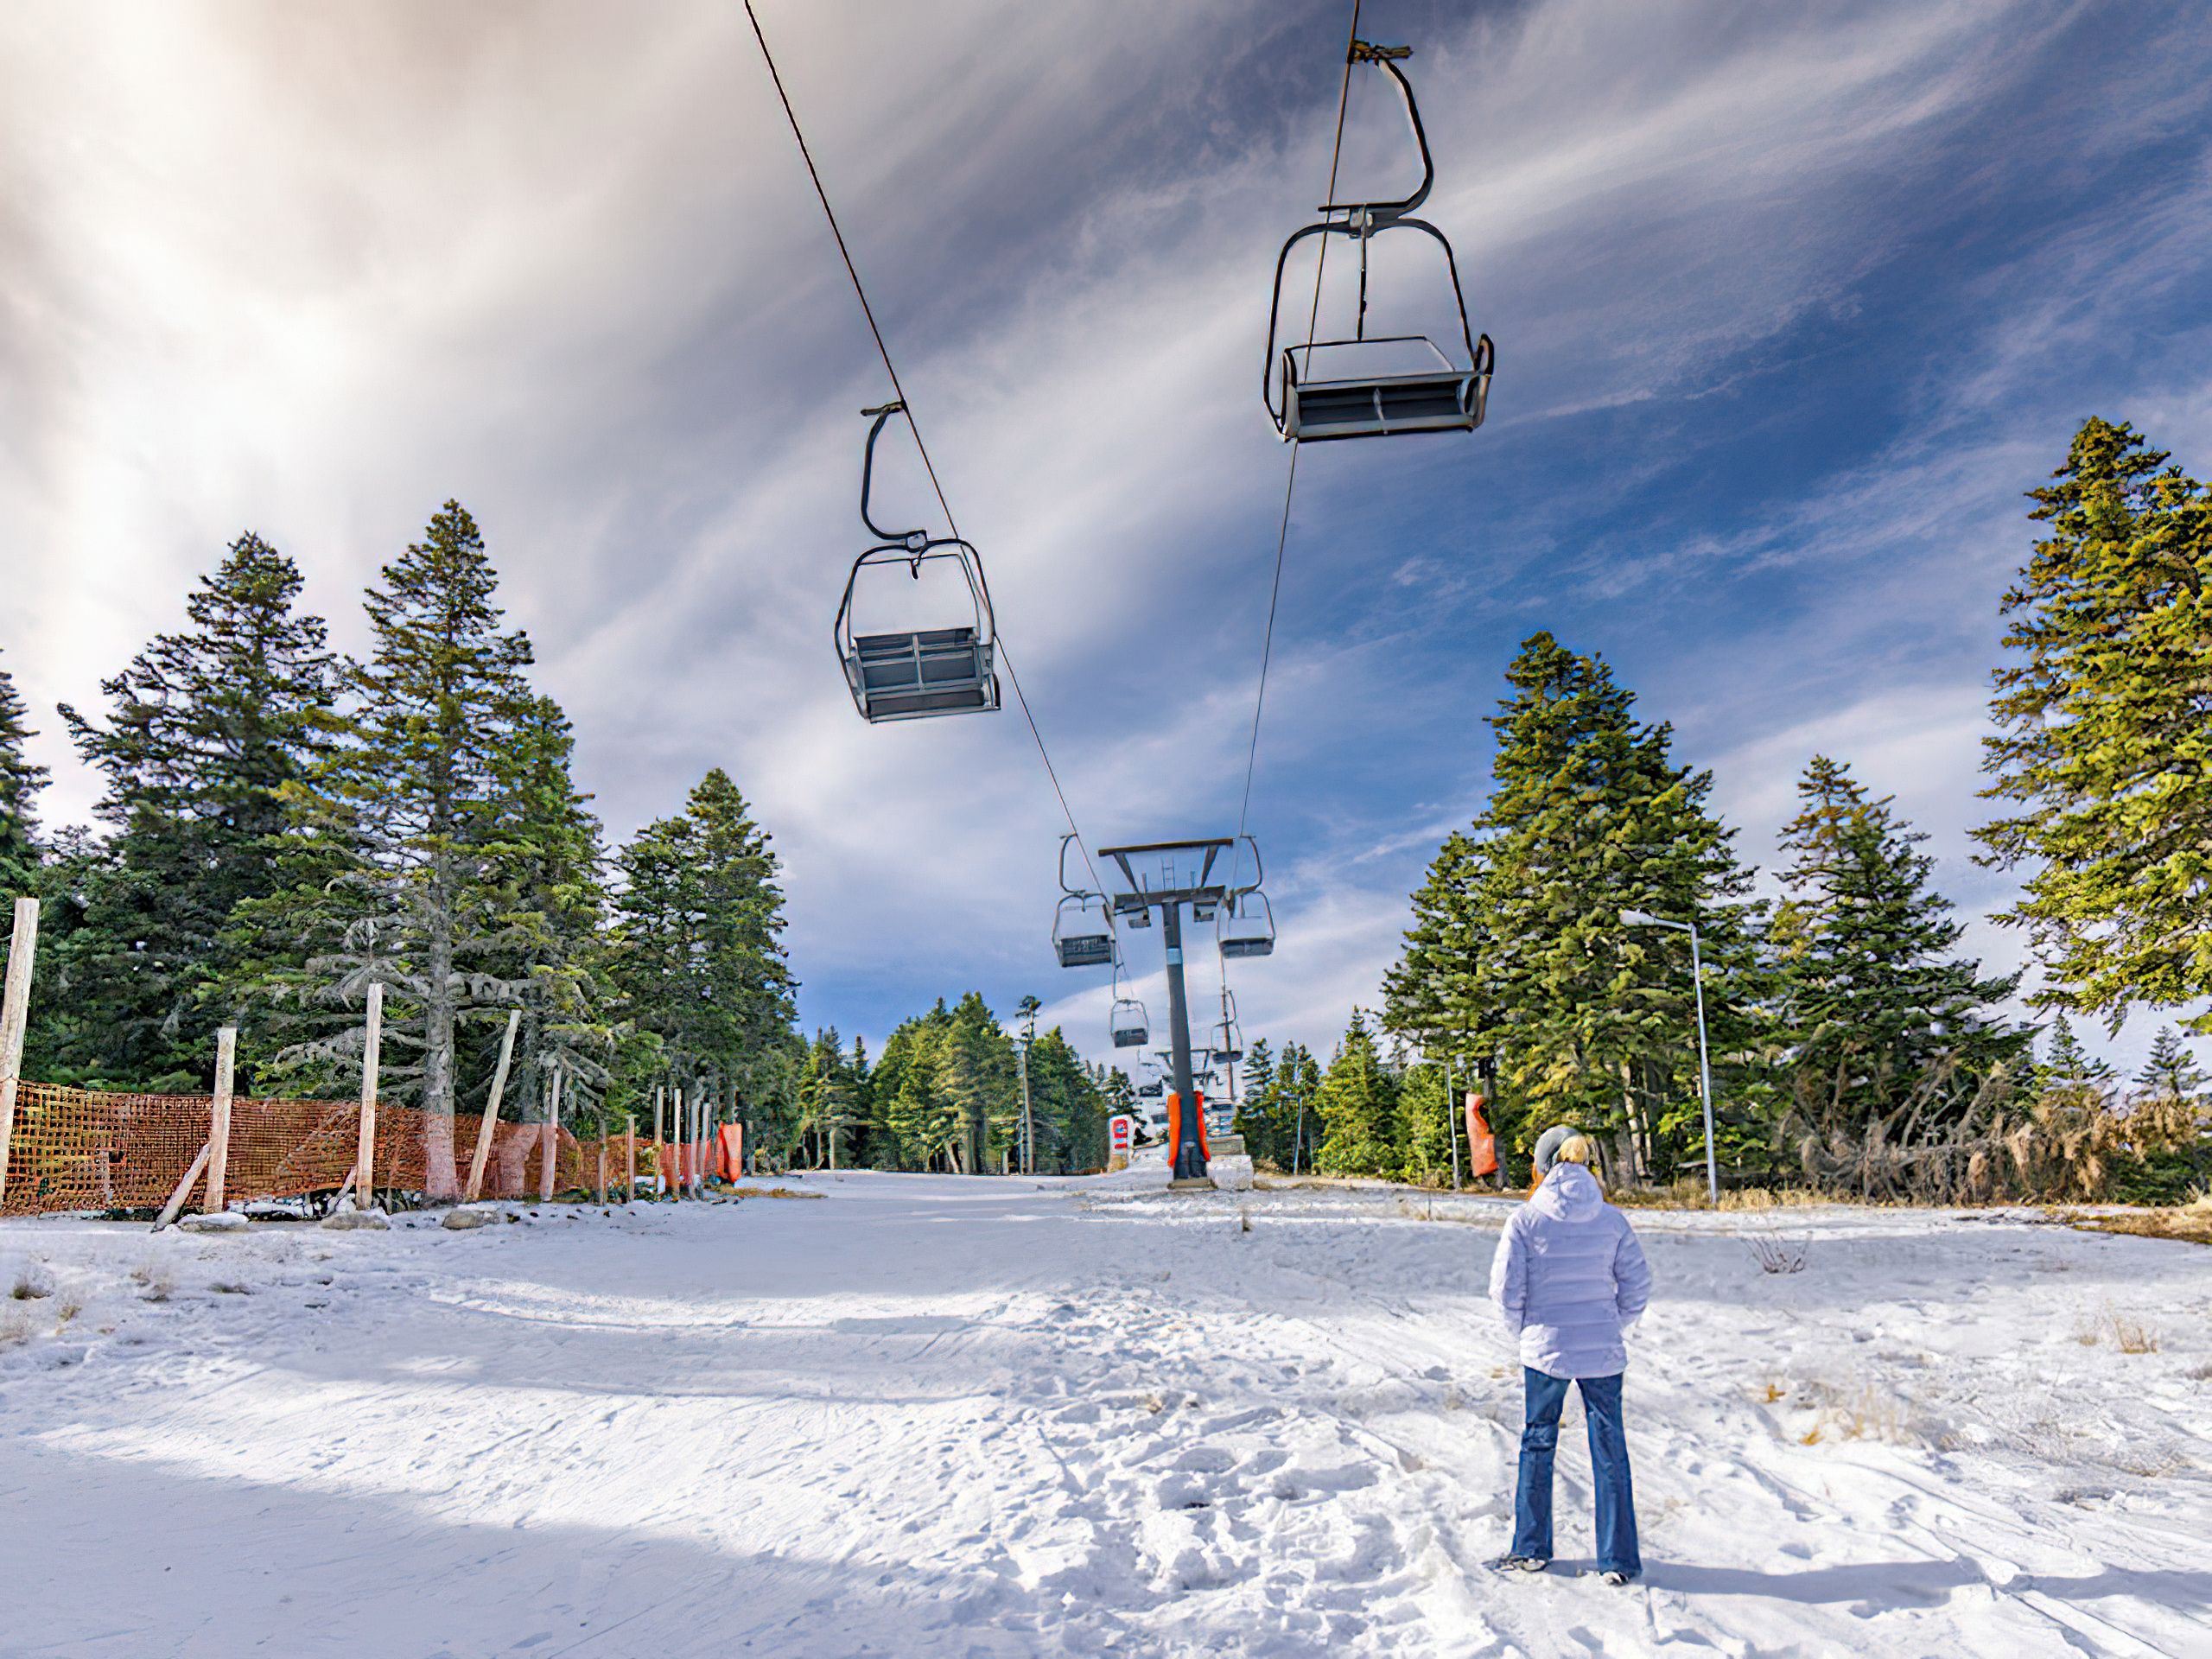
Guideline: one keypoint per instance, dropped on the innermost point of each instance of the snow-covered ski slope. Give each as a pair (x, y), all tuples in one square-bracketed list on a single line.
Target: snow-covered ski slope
[(929, 1416)]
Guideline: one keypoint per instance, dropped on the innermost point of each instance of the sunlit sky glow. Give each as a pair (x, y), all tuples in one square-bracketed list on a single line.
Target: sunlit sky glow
[(1791, 305)]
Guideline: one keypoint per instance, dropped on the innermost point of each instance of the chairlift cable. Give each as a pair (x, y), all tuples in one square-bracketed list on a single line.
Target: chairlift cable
[(1290, 484), (883, 351)]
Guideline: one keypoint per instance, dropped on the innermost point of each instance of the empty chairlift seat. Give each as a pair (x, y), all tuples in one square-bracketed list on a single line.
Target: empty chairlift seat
[(946, 664), (1372, 386), (929, 672), (1081, 934), (1248, 928), (1128, 1024)]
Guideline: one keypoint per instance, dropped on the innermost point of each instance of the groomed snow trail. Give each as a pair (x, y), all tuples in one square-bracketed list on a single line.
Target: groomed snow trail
[(931, 1417)]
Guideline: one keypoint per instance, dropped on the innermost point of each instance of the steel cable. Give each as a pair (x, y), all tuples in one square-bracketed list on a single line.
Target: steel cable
[(883, 351)]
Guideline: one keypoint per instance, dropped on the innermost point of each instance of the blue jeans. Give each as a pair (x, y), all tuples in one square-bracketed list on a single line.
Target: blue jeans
[(1532, 1501)]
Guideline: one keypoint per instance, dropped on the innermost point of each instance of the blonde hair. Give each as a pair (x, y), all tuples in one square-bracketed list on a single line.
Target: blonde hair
[(1575, 1149)]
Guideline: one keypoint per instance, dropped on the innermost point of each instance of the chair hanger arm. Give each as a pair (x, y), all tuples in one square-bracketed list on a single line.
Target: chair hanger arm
[(903, 537)]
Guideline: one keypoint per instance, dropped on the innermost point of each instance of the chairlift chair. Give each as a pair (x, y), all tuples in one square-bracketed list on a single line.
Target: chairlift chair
[(1081, 933), (1127, 1023), (915, 673), (1228, 1035), (1359, 392), (1248, 927)]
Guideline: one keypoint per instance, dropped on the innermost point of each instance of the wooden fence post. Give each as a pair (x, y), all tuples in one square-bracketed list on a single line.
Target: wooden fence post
[(660, 1146), (219, 1130), (15, 1019), (183, 1190), (552, 1139), (680, 1122), (491, 1123), (364, 1156), (630, 1159), (599, 1194)]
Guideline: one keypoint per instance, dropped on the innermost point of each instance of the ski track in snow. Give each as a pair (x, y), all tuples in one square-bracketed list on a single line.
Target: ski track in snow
[(934, 1416)]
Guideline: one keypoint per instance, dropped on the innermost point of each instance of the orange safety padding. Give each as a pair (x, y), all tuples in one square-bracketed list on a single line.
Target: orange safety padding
[(729, 1151), (1175, 1125), (1482, 1144)]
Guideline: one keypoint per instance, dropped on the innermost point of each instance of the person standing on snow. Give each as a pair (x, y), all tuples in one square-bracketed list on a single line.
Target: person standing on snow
[(1569, 1278)]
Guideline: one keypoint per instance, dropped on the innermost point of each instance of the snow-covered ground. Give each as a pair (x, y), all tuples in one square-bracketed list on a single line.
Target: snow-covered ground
[(934, 1416)]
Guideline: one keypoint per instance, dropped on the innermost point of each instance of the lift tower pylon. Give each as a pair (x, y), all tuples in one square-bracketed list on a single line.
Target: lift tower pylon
[(1185, 878)]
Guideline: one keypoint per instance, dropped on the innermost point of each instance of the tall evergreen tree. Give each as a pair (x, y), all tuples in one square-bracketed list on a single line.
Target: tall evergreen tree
[(204, 733), (1519, 948), (1877, 1008), (1254, 1119), (20, 783), (2104, 748), (416, 791), (1358, 1106), (702, 956)]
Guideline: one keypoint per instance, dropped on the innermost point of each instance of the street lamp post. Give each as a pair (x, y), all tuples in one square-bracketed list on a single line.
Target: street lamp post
[(1644, 918)]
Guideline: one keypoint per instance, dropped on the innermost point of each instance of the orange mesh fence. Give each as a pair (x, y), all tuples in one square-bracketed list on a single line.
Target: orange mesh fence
[(78, 1149)]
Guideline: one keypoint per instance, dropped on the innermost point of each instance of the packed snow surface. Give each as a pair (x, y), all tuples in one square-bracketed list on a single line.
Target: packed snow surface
[(934, 1416)]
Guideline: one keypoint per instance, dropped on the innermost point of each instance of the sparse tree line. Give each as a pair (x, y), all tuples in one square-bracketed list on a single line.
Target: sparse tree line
[(1853, 1048), (283, 826), (946, 1094)]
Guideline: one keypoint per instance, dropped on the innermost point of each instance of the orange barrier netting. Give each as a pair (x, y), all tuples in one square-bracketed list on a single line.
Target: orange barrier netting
[(77, 1149)]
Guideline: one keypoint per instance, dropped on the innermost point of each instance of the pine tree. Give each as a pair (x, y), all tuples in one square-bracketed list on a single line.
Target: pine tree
[(702, 959), (20, 784), (1069, 1108), (1878, 1010), (2069, 1067), (2104, 742), (1254, 1120), (2172, 1071), (1425, 1125), (416, 793), (205, 731), (1518, 947), (1358, 1106), (552, 909)]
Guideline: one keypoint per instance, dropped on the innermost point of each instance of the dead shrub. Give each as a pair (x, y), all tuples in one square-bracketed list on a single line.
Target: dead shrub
[(33, 1283)]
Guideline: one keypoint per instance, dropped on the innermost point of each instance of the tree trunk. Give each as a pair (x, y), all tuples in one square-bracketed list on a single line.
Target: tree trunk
[(440, 1179)]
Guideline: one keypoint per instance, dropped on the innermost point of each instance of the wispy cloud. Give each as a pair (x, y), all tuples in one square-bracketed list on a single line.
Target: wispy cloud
[(1791, 305)]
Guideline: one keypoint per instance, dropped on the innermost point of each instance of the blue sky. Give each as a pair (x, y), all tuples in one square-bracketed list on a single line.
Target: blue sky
[(1792, 306)]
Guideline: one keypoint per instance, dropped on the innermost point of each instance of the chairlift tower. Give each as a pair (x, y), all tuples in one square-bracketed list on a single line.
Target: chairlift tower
[(1171, 877)]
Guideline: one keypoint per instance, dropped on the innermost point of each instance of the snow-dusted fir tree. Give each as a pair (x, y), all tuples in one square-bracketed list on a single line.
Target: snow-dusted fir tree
[(203, 732), (20, 783), (1877, 1007), (416, 798), (2104, 750)]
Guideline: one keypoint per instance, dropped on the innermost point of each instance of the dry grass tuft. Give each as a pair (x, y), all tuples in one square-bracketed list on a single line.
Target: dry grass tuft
[(1775, 1253), (33, 1283), (1689, 1193), (2134, 1336), (771, 1192), (155, 1281), (2189, 1223)]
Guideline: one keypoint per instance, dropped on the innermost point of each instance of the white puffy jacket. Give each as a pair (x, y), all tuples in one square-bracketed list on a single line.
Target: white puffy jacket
[(1568, 1275)]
